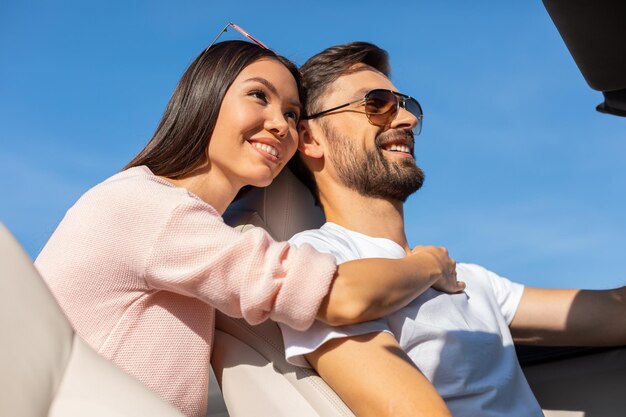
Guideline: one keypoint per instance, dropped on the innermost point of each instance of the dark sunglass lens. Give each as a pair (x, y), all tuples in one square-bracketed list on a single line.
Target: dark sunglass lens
[(413, 107), (381, 107)]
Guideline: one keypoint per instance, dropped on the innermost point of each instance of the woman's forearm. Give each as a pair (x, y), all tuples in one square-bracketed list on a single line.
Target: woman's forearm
[(367, 289)]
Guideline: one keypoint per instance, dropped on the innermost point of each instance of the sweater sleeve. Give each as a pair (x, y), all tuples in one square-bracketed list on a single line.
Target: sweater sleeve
[(245, 275)]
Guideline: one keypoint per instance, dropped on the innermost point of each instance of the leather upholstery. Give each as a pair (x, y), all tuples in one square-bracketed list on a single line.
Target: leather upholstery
[(249, 361), (46, 370)]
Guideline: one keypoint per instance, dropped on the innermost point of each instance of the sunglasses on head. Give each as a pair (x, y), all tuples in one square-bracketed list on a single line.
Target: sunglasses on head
[(240, 30), (382, 106)]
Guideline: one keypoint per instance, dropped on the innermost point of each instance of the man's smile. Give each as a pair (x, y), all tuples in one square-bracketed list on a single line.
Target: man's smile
[(399, 143)]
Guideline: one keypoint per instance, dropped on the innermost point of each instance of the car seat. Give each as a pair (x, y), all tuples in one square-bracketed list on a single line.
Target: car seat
[(249, 361), (46, 369)]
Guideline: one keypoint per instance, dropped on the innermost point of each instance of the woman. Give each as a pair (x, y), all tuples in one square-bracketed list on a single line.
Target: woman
[(140, 263)]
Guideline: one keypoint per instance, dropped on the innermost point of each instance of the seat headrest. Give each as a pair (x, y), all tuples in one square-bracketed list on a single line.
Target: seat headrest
[(284, 208)]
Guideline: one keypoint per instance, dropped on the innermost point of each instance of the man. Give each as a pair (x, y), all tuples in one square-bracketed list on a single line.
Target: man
[(356, 155)]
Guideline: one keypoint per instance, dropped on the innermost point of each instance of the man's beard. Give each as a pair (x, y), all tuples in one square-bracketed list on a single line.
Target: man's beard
[(371, 174)]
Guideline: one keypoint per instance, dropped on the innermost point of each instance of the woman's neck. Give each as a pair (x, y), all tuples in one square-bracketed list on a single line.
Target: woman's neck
[(213, 189)]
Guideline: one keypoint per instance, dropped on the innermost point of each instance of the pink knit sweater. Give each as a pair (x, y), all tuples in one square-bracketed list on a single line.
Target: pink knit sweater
[(139, 267)]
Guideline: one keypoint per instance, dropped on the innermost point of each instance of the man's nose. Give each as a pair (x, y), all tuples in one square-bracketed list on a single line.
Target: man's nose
[(404, 119)]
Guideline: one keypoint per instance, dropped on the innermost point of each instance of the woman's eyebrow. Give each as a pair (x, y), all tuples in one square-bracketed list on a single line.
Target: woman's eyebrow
[(266, 83), (272, 88)]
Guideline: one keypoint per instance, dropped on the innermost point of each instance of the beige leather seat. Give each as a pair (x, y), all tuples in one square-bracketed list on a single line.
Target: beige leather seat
[(249, 361), (45, 369)]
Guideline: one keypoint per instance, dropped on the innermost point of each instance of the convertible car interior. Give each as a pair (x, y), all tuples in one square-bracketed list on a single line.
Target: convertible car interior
[(48, 371)]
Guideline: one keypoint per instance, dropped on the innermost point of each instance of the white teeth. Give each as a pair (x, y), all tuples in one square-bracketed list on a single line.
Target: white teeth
[(266, 148), (399, 148)]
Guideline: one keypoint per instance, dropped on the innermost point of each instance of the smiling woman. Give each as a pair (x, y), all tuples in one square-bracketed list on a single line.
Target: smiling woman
[(262, 96), (129, 254)]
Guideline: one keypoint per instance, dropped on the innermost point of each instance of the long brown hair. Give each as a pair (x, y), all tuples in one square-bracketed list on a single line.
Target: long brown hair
[(179, 143)]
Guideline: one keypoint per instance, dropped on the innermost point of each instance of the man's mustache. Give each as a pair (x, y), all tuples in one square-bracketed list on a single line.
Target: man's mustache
[(402, 136)]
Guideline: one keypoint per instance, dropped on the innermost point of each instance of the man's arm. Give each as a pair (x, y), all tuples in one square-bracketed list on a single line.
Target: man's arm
[(559, 317), (374, 377)]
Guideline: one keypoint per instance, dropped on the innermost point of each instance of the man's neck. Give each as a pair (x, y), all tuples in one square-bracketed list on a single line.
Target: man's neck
[(371, 216)]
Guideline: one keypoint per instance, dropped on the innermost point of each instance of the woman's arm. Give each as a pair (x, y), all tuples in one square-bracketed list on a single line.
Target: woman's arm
[(251, 276), (375, 377), (367, 289)]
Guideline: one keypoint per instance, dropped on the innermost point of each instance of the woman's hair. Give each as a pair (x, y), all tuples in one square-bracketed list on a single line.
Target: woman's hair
[(179, 143)]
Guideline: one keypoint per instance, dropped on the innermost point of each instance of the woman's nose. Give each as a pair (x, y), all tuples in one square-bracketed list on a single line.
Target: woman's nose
[(277, 125)]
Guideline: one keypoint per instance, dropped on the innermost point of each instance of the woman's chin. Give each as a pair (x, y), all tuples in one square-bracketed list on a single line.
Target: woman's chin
[(261, 181), (265, 178)]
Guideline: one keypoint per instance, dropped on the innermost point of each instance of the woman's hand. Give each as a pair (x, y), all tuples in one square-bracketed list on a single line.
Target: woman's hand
[(443, 268)]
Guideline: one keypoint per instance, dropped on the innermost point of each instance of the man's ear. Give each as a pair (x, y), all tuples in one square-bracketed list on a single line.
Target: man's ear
[(308, 143)]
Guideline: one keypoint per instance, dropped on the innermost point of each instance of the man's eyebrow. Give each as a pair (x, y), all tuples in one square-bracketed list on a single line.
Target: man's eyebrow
[(361, 92), (356, 95), (272, 88)]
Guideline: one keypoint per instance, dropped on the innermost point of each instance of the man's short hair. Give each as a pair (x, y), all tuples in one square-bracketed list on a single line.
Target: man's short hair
[(321, 70), (318, 74)]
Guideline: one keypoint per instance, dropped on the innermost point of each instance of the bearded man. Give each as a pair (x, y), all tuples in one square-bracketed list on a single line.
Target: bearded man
[(445, 353)]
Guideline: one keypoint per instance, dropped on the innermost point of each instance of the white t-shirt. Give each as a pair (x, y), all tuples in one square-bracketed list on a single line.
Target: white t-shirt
[(460, 342)]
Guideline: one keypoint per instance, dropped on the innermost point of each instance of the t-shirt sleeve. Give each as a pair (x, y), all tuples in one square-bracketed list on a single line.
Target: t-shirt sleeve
[(245, 274), (508, 294), (300, 343)]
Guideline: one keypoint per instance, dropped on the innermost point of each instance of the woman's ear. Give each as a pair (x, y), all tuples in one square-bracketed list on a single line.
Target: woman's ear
[(308, 143)]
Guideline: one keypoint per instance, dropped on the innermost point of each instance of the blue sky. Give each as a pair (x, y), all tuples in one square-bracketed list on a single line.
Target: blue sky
[(523, 176)]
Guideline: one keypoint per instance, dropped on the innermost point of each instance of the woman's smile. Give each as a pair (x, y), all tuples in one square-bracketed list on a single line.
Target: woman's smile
[(269, 148)]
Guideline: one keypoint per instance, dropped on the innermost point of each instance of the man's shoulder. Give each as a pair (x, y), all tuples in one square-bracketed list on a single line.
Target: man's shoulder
[(326, 233), (477, 276), (471, 269), (329, 239), (474, 272)]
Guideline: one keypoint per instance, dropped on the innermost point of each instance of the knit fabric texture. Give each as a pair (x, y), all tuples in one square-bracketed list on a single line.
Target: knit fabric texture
[(139, 266)]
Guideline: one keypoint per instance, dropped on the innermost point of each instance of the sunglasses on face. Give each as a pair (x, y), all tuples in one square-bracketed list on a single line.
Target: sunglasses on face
[(381, 108)]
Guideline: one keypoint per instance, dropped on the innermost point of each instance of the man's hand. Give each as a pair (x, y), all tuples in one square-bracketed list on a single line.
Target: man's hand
[(443, 268)]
